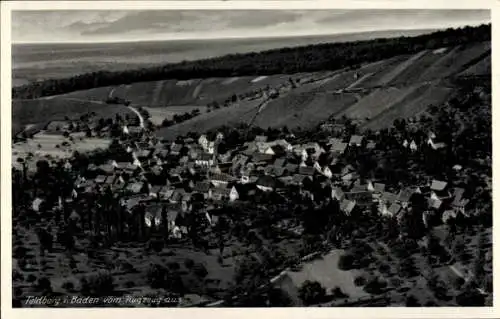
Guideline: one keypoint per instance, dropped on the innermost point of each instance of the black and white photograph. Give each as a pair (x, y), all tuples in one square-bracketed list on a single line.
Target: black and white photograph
[(242, 158)]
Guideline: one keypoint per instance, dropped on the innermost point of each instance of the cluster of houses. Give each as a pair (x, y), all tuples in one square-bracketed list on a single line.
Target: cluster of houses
[(173, 176)]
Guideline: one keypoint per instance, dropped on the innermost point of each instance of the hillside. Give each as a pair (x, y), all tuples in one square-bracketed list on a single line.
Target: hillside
[(311, 58), (32, 62), (383, 92)]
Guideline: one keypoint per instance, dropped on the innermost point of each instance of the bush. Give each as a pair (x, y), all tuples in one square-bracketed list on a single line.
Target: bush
[(44, 285), (173, 266), (346, 262), (375, 286), (157, 276), (200, 270), (189, 263), (68, 286), (100, 284), (337, 293), (311, 292), (359, 281), (459, 282), (411, 301)]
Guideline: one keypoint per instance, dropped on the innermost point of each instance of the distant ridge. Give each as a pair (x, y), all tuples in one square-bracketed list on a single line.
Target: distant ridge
[(365, 35)]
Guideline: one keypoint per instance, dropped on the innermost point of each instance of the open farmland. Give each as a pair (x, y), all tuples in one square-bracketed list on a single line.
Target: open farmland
[(457, 61), (482, 67), (44, 110), (376, 102), (413, 104), (198, 92), (43, 145), (326, 272), (158, 114)]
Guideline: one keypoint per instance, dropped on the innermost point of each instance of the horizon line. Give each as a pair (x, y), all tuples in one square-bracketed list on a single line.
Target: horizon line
[(244, 37)]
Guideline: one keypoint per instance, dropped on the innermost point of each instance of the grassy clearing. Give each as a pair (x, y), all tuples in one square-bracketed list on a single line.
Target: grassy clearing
[(326, 271), (43, 145)]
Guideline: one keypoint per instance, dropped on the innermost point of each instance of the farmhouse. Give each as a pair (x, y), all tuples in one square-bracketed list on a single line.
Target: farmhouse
[(356, 140)]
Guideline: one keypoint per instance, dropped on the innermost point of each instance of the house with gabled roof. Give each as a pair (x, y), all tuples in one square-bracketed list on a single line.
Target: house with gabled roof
[(435, 203), (155, 190), (279, 162), (362, 198), (153, 215), (283, 143), (174, 180), (135, 187), (385, 201), (107, 169), (269, 170), (375, 187), (326, 171), (222, 179), (338, 194), (337, 147), (266, 183), (347, 206), (371, 145), (165, 193), (203, 141), (204, 159), (413, 146), (100, 179), (298, 179), (439, 189), (291, 168), (404, 196), (261, 159), (356, 140), (459, 203), (175, 149), (434, 142), (203, 188), (394, 210), (261, 138), (307, 170)]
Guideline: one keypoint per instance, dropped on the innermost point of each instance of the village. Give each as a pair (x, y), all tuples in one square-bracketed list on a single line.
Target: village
[(159, 174), (141, 188)]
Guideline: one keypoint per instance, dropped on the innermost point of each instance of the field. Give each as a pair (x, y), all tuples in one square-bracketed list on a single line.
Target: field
[(326, 272), (43, 145), (198, 92), (158, 114)]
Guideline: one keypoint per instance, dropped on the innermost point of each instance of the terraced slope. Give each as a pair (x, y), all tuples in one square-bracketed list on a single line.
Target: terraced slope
[(173, 92), (382, 91)]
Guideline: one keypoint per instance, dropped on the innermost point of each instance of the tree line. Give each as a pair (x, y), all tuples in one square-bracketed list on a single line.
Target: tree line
[(327, 56)]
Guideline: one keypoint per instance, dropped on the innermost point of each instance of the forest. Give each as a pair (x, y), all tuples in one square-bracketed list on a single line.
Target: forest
[(327, 56)]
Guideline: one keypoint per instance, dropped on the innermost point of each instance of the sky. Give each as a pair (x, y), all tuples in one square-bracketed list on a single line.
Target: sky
[(142, 25)]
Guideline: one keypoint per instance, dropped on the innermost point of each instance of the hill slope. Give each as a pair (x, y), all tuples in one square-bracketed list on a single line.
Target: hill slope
[(382, 91)]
